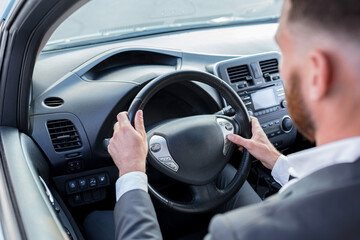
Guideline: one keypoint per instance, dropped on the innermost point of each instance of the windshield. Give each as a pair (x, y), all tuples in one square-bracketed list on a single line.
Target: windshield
[(105, 20)]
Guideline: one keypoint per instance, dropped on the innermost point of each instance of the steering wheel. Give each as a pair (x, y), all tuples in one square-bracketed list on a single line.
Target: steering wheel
[(194, 150)]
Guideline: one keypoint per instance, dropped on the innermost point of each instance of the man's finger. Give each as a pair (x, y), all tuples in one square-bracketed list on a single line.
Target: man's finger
[(255, 123), (123, 118), (139, 122), (238, 140), (116, 126)]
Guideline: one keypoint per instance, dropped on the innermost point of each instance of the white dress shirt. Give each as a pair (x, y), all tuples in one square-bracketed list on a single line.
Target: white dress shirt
[(304, 163), (298, 165)]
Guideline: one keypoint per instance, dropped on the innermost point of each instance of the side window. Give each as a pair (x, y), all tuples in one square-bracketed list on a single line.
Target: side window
[(5, 7)]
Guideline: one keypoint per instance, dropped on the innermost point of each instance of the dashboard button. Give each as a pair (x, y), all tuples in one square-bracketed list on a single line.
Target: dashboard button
[(284, 104), (78, 165), (72, 185), (102, 178), (77, 198), (82, 183), (92, 182), (287, 124), (267, 77), (240, 86), (276, 78)]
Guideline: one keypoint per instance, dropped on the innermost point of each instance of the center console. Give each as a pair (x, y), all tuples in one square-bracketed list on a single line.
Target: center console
[(259, 84)]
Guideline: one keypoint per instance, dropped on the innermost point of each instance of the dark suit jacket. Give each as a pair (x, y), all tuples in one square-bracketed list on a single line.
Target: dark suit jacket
[(324, 205)]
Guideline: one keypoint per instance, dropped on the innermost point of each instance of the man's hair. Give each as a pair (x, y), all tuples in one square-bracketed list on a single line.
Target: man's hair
[(337, 16)]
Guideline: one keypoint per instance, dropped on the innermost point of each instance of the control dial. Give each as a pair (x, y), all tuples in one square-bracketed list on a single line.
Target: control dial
[(287, 124), (283, 103)]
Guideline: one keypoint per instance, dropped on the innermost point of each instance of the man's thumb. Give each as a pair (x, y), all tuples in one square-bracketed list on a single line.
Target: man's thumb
[(139, 122)]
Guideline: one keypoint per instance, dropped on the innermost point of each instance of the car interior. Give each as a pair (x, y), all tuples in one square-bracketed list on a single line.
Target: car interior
[(76, 92)]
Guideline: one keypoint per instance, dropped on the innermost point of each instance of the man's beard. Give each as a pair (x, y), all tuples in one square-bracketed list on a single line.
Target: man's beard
[(298, 109)]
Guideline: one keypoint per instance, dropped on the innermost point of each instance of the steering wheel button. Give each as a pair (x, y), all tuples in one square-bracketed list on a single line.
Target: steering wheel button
[(156, 147), (169, 162), (172, 166), (228, 127), (164, 159)]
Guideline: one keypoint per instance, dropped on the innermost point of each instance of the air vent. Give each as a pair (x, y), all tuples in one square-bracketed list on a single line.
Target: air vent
[(269, 66), (240, 73), (53, 102), (64, 135)]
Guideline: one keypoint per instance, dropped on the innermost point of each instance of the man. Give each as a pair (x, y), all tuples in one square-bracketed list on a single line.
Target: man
[(320, 42)]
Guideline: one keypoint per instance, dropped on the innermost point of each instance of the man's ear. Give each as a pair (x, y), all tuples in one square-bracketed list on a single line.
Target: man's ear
[(319, 75)]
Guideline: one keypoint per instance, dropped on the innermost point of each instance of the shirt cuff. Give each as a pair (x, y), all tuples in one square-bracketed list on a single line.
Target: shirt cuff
[(280, 171), (131, 181)]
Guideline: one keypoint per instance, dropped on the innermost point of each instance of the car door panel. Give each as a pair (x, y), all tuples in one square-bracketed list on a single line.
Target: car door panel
[(24, 164)]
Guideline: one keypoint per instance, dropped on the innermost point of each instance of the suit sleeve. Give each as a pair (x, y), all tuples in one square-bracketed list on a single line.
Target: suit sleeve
[(135, 217)]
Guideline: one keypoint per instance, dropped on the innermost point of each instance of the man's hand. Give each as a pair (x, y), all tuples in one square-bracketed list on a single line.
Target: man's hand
[(259, 145), (128, 146)]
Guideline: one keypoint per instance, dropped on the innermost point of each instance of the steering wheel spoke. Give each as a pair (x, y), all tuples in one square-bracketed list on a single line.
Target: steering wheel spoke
[(205, 193)]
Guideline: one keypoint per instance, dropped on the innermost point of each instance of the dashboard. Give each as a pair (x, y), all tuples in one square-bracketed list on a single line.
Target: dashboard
[(78, 92)]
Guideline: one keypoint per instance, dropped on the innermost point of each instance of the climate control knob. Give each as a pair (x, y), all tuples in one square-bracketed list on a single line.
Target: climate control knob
[(283, 103), (287, 124)]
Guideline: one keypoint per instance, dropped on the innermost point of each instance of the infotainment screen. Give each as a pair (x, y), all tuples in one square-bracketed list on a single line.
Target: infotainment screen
[(264, 99)]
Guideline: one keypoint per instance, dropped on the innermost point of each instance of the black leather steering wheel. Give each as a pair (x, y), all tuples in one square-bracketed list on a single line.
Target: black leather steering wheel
[(194, 150)]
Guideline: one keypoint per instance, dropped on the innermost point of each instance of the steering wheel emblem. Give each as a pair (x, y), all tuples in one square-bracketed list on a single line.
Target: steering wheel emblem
[(159, 149)]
